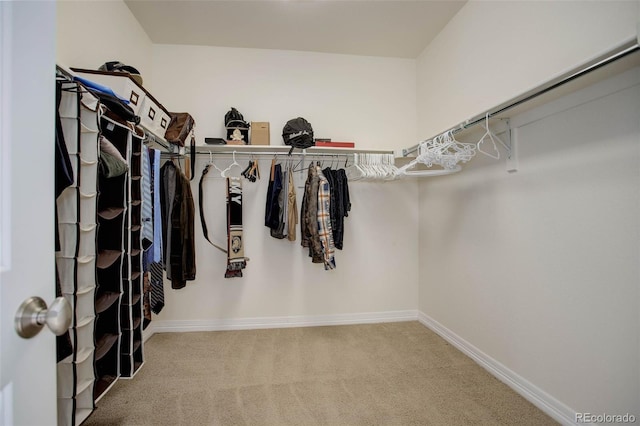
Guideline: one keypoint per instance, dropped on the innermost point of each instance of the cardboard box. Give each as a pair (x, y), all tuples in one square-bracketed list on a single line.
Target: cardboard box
[(260, 133)]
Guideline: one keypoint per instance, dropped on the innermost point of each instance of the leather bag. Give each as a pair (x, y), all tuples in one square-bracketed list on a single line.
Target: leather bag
[(180, 128)]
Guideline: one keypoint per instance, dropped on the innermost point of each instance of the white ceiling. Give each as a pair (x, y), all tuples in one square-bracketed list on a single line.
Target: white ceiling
[(366, 27)]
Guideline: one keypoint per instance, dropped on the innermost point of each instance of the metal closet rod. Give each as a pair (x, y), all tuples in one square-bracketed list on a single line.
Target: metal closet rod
[(618, 53), (280, 153)]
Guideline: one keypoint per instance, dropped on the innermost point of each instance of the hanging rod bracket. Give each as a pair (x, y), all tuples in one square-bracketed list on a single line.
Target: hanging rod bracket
[(511, 140)]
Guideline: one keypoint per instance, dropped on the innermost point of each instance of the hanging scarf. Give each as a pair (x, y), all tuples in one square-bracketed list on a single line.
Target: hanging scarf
[(236, 261)]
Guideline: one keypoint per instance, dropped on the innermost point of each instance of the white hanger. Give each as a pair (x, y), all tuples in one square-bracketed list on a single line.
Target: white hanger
[(493, 139), (224, 172)]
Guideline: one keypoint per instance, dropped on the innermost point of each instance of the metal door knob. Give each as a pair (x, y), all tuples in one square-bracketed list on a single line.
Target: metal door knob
[(33, 314)]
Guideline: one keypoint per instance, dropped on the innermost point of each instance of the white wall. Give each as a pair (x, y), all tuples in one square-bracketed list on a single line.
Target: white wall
[(539, 269), (492, 51), (90, 33), (368, 100)]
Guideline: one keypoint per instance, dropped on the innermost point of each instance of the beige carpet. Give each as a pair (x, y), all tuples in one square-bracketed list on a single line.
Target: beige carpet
[(373, 374)]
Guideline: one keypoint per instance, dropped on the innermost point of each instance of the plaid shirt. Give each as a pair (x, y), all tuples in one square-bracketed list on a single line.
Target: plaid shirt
[(324, 221)]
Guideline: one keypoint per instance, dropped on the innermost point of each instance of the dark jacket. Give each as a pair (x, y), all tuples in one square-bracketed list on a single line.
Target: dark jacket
[(340, 203), (177, 226)]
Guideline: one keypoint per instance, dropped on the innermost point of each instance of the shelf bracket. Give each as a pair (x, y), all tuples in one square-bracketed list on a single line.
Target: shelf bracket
[(511, 136)]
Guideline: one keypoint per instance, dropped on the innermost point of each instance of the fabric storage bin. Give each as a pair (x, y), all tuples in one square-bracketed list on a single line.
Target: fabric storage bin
[(83, 408), (163, 123), (110, 235), (83, 370), (84, 404), (84, 304), (68, 103), (122, 84), (67, 204), (88, 201), (85, 335), (65, 382), (88, 181), (112, 192), (87, 246), (86, 273), (66, 268), (89, 146), (154, 117), (110, 278), (73, 235), (68, 235), (70, 133), (90, 104), (65, 411)]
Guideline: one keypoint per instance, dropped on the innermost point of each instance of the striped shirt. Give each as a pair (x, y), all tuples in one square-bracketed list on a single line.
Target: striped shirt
[(324, 221)]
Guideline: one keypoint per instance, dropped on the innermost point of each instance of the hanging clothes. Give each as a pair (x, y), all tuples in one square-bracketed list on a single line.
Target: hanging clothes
[(280, 188), (272, 209), (156, 264), (309, 216), (340, 203), (177, 226), (325, 232), (292, 208)]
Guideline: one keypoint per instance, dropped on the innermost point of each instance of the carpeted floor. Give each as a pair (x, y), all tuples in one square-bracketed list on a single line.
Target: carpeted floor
[(373, 374)]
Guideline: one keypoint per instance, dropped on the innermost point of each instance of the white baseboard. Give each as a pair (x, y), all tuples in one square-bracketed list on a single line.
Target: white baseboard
[(541, 399), (164, 326)]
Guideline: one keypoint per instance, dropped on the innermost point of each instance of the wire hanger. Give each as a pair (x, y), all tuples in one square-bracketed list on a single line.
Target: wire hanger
[(492, 138), (235, 163)]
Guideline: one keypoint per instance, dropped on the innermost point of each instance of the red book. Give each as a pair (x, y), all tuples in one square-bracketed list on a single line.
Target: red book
[(335, 144)]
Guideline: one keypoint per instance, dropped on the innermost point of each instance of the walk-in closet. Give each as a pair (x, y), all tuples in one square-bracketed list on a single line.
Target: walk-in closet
[(327, 213)]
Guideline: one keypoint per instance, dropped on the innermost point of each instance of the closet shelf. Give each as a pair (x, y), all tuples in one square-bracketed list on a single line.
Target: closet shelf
[(111, 212), (135, 298), (282, 149), (105, 301), (85, 290), (84, 385), (102, 384), (104, 344), (107, 258), (135, 325)]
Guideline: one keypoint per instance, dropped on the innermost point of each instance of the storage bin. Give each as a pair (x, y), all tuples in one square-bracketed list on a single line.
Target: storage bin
[(122, 84), (86, 273), (87, 241), (67, 387), (67, 205), (154, 117), (89, 146), (85, 335), (88, 206), (84, 304)]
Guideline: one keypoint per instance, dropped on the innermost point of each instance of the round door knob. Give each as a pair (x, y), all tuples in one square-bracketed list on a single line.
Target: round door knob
[(33, 314)]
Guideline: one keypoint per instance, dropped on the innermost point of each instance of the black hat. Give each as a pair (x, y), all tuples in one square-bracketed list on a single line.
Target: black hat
[(116, 66), (298, 133)]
